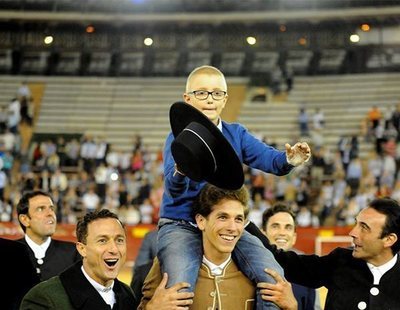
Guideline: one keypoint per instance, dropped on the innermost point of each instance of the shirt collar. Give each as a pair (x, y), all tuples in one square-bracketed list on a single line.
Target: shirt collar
[(219, 124), (106, 293), (38, 250), (216, 270), (379, 271)]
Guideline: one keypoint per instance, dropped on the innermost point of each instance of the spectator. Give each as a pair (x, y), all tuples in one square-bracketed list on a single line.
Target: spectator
[(3, 118), (61, 151), (354, 175), (374, 116), (90, 200), (146, 212), (396, 121), (24, 91), (318, 119), (14, 115), (289, 77), (72, 150), (303, 122), (276, 80)]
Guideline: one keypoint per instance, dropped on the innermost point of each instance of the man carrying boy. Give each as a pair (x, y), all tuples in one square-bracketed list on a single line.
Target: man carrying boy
[(220, 216)]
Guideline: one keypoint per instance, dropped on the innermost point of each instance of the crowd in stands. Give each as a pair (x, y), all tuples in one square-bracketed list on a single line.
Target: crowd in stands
[(88, 173)]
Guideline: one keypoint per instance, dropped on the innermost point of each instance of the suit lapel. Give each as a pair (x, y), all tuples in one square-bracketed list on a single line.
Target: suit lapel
[(80, 292)]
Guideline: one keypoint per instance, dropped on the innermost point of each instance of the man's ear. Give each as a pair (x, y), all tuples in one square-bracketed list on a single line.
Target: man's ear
[(24, 219), (225, 101), (81, 248), (200, 221), (390, 240)]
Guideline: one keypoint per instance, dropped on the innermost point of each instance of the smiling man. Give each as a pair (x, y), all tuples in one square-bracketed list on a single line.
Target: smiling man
[(37, 217), (92, 283), (220, 216), (279, 225), (363, 277)]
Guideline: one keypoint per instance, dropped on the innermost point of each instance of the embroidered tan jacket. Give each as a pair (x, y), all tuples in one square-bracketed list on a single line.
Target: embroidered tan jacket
[(230, 290)]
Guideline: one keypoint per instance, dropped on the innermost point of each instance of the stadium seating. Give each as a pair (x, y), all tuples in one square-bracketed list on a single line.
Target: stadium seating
[(344, 99)]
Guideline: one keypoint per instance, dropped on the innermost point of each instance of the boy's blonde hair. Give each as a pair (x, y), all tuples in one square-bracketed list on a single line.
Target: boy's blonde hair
[(204, 70)]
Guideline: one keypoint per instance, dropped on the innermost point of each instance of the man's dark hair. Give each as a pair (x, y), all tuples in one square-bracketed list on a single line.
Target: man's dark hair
[(23, 204), (391, 209), (279, 207), (211, 195), (82, 225)]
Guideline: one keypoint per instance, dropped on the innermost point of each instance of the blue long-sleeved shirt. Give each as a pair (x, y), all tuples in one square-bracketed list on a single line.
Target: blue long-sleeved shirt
[(180, 191)]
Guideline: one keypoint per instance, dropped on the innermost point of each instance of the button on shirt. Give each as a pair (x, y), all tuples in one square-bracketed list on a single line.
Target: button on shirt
[(38, 250), (106, 293), (216, 270), (379, 271)]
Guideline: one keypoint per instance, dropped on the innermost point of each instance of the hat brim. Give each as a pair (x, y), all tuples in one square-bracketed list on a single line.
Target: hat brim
[(229, 172)]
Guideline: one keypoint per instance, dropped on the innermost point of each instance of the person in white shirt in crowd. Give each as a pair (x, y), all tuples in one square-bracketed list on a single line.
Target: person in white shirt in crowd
[(146, 212), (72, 150), (8, 139), (90, 200), (112, 158), (14, 115), (24, 91), (318, 119), (101, 150)]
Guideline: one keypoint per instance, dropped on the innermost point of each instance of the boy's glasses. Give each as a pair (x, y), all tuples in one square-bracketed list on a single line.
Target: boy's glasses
[(203, 94)]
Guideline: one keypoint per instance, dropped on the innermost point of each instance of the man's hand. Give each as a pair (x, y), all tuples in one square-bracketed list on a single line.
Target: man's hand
[(279, 293), (297, 154), (170, 298), (176, 170)]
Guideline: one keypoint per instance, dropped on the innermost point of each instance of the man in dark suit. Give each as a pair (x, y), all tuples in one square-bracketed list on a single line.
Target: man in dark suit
[(92, 283), (36, 215), (19, 274), (279, 225), (143, 263), (364, 277)]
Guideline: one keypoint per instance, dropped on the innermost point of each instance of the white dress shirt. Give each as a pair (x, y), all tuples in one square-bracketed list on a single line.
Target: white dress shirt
[(379, 271), (216, 270), (106, 293), (38, 250)]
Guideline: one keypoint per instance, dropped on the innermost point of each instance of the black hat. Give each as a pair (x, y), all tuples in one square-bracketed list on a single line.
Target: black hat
[(201, 151)]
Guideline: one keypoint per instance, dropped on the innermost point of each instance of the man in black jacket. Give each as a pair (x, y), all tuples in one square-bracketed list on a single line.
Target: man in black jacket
[(18, 273), (364, 277), (92, 283), (279, 225), (36, 215)]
